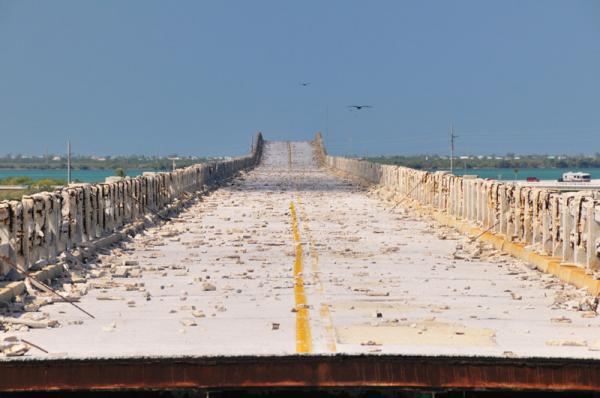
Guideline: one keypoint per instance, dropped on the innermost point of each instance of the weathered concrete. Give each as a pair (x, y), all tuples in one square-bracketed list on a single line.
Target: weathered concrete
[(562, 225), (290, 258), (41, 226)]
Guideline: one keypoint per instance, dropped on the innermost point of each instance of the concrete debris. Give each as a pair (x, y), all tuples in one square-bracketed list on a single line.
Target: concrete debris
[(120, 272), (38, 322), (566, 343), (370, 343), (104, 297), (594, 345), (13, 347), (188, 322), (403, 279), (110, 327)]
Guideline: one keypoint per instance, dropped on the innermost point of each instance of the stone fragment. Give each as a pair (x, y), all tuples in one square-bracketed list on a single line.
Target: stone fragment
[(110, 327), (566, 343), (370, 343), (12, 347), (32, 323), (188, 322), (594, 345), (120, 272), (16, 350), (208, 287)]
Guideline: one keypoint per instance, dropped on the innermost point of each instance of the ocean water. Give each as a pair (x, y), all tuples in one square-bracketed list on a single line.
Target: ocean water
[(509, 174), (498, 174), (76, 175)]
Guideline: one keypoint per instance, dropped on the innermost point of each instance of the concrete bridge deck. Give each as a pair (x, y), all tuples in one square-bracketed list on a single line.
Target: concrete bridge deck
[(291, 259)]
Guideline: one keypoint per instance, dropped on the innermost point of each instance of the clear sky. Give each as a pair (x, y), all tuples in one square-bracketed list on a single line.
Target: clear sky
[(200, 77)]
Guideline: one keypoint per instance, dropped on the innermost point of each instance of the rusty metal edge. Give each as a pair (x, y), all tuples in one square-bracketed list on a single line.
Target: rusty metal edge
[(340, 371)]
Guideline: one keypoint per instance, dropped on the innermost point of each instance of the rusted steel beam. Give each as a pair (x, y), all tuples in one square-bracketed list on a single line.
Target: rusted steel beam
[(301, 371)]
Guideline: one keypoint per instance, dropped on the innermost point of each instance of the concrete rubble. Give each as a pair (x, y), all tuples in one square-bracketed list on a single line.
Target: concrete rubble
[(565, 225), (226, 276)]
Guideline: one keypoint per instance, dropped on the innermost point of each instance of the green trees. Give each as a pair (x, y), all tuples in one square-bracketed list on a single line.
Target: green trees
[(510, 161)]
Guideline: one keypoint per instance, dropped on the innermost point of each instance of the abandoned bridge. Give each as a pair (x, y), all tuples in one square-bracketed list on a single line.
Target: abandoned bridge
[(292, 268)]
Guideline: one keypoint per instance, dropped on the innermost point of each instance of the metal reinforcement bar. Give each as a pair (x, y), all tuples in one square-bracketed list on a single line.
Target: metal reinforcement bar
[(43, 225), (27, 274), (442, 373)]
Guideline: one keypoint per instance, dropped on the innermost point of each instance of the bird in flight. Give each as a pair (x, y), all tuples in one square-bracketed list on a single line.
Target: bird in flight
[(304, 84), (358, 107)]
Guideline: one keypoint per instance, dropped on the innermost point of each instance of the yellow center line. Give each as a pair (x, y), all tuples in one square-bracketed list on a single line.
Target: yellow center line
[(303, 338), (326, 317), (324, 310)]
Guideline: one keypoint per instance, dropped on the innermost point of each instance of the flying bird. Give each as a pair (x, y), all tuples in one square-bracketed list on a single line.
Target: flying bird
[(359, 107), (305, 84)]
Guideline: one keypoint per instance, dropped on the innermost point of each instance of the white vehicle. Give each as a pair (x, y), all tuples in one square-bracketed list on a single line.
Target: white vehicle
[(575, 177)]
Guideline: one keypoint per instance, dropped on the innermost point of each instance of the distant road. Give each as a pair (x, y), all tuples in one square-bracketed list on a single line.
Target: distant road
[(509, 174), (564, 186)]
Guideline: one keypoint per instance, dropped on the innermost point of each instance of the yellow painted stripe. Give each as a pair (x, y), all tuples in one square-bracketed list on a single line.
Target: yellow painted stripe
[(569, 273), (303, 337), (326, 317), (314, 254)]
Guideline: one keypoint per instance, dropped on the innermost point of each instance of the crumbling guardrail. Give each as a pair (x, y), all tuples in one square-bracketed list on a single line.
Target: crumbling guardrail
[(563, 225), (41, 226)]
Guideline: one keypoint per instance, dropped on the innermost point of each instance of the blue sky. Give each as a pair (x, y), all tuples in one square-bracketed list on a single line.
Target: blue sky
[(200, 77)]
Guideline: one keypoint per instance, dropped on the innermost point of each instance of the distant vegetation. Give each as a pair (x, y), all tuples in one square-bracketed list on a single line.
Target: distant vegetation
[(32, 186), (97, 162), (21, 180), (509, 161), (119, 164)]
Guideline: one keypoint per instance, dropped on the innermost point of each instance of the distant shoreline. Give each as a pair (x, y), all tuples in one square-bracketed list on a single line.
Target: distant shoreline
[(58, 168)]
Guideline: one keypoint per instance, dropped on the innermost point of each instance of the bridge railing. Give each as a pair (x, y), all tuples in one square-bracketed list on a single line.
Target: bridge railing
[(41, 226), (564, 225)]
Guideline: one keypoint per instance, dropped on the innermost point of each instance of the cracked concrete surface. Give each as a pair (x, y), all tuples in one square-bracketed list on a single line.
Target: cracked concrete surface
[(221, 279)]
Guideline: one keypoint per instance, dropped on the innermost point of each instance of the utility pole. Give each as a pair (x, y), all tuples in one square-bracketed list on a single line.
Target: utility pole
[(173, 160), (452, 137), (68, 162)]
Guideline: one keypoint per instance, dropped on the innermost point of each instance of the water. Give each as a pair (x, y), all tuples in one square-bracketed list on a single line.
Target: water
[(509, 174), (100, 175), (79, 175)]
